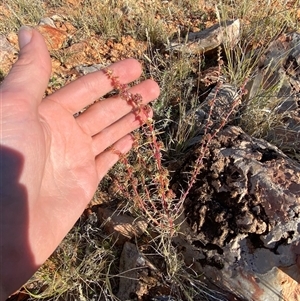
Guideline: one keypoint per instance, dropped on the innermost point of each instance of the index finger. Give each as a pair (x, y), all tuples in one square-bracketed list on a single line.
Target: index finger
[(90, 87)]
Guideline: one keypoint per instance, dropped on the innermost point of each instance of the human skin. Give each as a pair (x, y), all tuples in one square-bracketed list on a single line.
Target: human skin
[(51, 162)]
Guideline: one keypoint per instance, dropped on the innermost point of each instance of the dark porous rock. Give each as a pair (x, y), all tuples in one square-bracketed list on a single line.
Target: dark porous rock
[(244, 215), (217, 109)]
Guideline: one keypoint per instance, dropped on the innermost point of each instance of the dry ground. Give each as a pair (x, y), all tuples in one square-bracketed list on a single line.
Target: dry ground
[(86, 265)]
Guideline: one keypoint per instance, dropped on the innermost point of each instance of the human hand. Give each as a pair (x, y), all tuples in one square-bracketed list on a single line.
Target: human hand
[(51, 162)]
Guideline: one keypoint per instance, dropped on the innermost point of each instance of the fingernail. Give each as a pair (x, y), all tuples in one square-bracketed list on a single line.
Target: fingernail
[(25, 35)]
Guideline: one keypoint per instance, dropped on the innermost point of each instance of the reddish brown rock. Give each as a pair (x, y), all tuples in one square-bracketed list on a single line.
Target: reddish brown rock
[(56, 66), (8, 54), (12, 37), (54, 37), (76, 54), (66, 27)]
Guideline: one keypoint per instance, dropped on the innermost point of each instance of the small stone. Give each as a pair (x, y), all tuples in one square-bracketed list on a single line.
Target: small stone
[(47, 21), (6, 47), (245, 221), (8, 54), (12, 37), (129, 280), (122, 227), (83, 70), (56, 66), (133, 282)]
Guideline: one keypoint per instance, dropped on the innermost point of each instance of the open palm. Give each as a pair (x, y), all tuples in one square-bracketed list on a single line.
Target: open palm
[(51, 162)]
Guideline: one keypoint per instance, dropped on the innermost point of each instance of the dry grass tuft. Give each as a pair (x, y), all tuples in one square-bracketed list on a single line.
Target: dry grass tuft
[(20, 12), (80, 268), (259, 28)]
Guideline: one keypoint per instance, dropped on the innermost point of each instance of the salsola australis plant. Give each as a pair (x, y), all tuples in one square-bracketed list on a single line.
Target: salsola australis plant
[(147, 181), (151, 192)]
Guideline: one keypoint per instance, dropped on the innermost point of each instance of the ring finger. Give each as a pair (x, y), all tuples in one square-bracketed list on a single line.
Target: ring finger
[(117, 130)]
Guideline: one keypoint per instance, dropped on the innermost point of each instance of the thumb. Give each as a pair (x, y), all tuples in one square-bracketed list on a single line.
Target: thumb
[(29, 76)]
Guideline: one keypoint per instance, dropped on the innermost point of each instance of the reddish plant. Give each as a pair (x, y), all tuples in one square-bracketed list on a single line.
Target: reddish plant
[(152, 195)]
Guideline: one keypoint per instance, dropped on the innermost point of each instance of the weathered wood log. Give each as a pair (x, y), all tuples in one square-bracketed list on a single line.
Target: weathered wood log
[(244, 217), (227, 32)]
